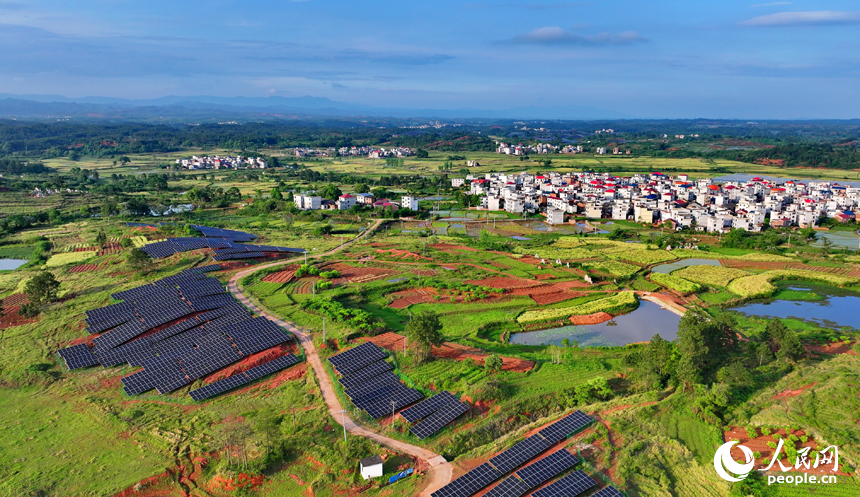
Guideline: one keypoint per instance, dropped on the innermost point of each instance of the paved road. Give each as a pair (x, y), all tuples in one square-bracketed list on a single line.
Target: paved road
[(440, 470)]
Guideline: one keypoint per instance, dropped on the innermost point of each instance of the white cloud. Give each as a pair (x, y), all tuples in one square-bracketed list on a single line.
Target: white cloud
[(815, 18), (554, 35)]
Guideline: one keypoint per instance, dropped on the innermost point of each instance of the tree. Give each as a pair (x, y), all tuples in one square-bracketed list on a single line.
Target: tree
[(425, 331), (331, 192), (735, 375), (790, 348), (596, 389), (276, 194), (101, 238), (362, 188), (379, 192), (233, 192), (126, 243), (138, 258), (493, 363), (422, 154), (42, 288)]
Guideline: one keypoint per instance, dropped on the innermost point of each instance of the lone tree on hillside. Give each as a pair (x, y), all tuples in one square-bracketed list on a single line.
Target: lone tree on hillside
[(493, 363), (101, 239), (42, 288), (138, 258), (425, 331)]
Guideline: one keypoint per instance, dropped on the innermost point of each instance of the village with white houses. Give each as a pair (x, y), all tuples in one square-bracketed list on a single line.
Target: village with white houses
[(369, 152), (221, 162), (703, 204)]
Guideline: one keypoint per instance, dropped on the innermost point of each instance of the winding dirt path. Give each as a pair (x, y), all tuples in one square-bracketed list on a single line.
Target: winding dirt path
[(440, 470)]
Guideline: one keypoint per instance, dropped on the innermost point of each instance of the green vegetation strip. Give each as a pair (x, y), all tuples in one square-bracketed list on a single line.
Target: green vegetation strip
[(675, 283), (615, 304), (757, 286)]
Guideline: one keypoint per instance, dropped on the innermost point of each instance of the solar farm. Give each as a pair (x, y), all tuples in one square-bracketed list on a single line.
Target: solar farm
[(224, 243), (520, 482), (178, 329)]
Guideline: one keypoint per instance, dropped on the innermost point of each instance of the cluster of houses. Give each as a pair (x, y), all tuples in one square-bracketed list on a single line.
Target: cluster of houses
[(376, 153), (703, 204), (47, 192), (370, 152), (347, 201), (520, 149), (221, 162)]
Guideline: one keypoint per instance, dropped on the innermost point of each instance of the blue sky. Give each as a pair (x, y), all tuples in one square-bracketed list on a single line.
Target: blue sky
[(727, 59)]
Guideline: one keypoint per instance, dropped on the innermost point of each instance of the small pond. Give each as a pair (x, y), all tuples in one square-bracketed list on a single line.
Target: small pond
[(837, 309), (520, 238), (640, 325), (8, 264), (671, 266), (840, 239)]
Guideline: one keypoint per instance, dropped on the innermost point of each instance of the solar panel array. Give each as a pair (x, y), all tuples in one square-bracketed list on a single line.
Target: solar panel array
[(569, 486), (211, 330), (224, 242), (436, 415), (470, 483), (369, 383), (609, 491), (523, 451), (509, 487), (240, 379), (78, 356)]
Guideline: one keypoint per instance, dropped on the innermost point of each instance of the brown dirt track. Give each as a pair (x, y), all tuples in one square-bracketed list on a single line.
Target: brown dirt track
[(448, 350)]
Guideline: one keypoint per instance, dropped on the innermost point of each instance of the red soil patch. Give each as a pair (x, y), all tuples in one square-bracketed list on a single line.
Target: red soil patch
[(84, 249), (832, 348), (352, 274), (596, 318), (298, 480), (281, 276), (448, 350), (505, 282), (15, 299), (405, 298), (552, 298), (305, 285), (544, 276), (83, 268), (110, 248), (403, 254), (445, 247), (793, 393), (11, 307), (251, 361), (759, 444)]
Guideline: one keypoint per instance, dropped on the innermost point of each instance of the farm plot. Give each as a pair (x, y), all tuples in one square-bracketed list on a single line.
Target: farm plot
[(69, 258), (83, 268), (710, 275), (353, 274), (613, 305), (284, 276), (402, 254)]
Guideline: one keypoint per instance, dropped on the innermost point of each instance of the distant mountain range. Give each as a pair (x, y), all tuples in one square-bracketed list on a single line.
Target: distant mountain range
[(209, 108)]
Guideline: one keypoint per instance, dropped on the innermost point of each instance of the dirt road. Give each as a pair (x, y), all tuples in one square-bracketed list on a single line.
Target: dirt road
[(440, 469)]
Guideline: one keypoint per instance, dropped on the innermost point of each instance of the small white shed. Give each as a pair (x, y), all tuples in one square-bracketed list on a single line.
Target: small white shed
[(371, 467)]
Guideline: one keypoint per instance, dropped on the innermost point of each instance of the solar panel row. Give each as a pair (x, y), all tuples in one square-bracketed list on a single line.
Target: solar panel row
[(439, 419), (364, 374), (549, 467), (565, 426), (428, 406), (570, 486), (240, 379), (522, 451), (509, 487), (357, 358), (469, 483), (78, 356)]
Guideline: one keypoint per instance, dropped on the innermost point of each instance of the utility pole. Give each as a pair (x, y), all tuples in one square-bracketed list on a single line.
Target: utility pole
[(404, 344), (343, 422), (323, 328), (306, 257), (314, 288)]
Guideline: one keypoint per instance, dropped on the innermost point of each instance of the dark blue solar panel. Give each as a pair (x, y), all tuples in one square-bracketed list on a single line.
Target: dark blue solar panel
[(571, 485), (521, 452), (609, 491)]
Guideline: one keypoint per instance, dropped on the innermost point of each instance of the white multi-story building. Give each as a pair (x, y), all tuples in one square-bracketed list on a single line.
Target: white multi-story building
[(307, 202)]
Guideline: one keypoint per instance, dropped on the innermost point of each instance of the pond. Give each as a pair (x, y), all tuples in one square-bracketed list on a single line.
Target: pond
[(520, 238), (640, 325), (9, 264), (671, 266), (840, 239), (838, 308)]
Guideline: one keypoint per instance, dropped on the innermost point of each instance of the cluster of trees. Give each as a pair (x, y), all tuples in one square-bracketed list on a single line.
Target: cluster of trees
[(709, 360)]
